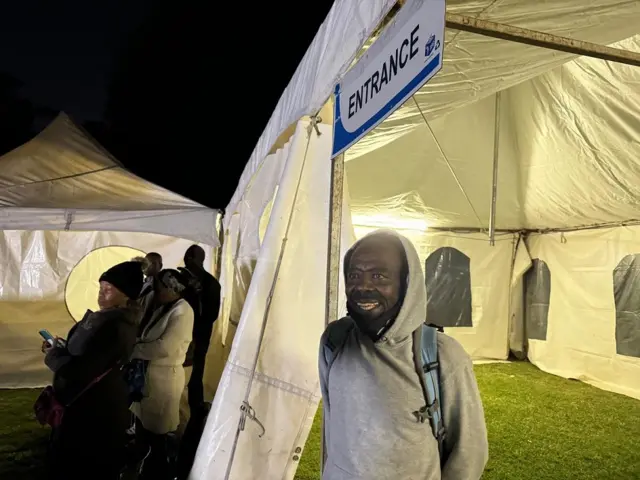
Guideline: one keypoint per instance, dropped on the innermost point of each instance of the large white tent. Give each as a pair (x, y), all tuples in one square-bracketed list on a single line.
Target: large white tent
[(560, 285), (67, 212)]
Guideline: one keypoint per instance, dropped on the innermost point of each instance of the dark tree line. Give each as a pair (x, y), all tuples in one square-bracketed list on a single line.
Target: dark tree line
[(20, 119)]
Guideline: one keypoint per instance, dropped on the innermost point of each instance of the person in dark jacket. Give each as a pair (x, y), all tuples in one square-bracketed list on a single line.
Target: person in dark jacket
[(203, 294), (152, 265), (90, 440)]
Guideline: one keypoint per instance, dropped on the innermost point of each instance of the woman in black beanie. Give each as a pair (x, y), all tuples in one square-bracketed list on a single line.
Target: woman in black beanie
[(89, 443)]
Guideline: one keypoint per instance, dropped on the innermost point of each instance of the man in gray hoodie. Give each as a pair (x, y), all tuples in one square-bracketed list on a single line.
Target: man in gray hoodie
[(373, 388)]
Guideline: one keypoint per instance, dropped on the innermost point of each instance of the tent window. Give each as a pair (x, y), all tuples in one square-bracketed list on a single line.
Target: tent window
[(626, 292), (81, 291), (537, 284), (448, 279)]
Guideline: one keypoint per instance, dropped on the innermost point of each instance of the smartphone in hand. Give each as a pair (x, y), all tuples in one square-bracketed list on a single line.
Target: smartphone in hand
[(50, 339)]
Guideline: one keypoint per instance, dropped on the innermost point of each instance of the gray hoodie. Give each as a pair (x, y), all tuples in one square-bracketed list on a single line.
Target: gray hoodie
[(373, 388)]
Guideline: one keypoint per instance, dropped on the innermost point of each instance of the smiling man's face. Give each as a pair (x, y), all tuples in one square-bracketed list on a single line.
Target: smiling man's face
[(373, 277)]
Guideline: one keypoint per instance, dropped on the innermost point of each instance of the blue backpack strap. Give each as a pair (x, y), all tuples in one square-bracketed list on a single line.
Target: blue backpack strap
[(337, 333), (425, 350)]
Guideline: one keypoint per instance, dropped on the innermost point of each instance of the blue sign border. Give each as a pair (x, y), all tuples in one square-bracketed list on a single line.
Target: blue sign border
[(342, 139)]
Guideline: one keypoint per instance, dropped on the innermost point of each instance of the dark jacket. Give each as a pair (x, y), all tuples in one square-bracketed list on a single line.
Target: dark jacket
[(203, 294), (99, 417)]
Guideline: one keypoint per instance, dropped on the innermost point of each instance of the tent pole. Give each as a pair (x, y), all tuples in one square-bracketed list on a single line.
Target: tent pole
[(218, 269), (494, 186), (333, 260), (541, 39)]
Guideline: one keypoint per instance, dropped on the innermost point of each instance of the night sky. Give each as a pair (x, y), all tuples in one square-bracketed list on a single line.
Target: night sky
[(178, 92)]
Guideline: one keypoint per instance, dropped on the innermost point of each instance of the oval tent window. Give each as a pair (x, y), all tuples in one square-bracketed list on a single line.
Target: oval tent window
[(81, 292)]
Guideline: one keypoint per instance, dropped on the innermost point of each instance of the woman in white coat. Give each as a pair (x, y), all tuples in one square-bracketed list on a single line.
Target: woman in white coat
[(165, 334)]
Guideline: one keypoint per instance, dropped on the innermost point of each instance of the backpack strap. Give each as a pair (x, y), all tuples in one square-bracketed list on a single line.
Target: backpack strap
[(437, 327), (425, 355), (337, 334)]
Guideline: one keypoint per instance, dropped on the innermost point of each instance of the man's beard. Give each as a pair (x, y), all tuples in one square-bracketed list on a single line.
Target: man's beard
[(374, 327)]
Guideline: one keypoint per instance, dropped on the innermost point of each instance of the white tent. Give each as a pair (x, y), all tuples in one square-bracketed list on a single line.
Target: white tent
[(67, 212), (560, 285)]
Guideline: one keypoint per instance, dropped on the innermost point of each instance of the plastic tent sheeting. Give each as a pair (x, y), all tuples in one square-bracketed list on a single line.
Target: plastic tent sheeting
[(567, 144), (582, 299), (285, 390), (63, 180), (475, 68), (566, 151), (347, 26), (243, 236), (63, 200), (567, 159), (468, 286), (48, 277)]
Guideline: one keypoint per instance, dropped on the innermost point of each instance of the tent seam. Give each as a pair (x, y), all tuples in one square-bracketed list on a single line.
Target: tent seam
[(275, 382)]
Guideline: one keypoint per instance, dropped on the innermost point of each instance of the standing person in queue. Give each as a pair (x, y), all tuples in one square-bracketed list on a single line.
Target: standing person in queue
[(162, 345), (204, 295), (372, 378), (152, 266), (89, 443)]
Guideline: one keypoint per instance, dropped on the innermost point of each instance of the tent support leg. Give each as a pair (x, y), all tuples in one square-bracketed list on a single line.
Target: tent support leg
[(494, 187), (541, 39), (218, 269), (333, 260)]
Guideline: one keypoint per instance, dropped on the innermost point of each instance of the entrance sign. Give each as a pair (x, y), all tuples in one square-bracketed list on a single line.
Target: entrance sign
[(405, 57)]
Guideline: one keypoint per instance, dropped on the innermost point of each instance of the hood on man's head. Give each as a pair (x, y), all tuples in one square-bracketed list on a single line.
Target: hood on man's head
[(413, 311)]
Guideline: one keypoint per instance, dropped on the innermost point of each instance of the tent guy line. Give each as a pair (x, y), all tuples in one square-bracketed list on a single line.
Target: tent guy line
[(64, 177), (435, 139)]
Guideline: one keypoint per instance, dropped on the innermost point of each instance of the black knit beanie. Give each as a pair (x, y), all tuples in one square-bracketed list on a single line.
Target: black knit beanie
[(126, 277)]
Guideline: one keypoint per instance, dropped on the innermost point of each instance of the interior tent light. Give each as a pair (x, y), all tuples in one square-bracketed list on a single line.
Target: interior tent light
[(388, 221)]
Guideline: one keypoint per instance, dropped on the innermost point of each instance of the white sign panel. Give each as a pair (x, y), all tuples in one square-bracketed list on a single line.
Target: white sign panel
[(405, 57)]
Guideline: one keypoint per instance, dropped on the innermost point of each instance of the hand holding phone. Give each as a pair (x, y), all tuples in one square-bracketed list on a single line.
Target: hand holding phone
[(50, 339)]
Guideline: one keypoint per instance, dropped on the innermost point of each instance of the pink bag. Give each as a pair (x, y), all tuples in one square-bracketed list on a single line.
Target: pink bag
[(49, 411)]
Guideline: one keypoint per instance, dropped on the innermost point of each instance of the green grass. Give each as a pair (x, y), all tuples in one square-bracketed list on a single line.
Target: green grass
[(540, 427), (23, 441), (543, 427)]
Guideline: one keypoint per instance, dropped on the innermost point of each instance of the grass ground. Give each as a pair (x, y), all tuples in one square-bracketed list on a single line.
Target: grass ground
[(540, 427), (543, 427), (22, 440)]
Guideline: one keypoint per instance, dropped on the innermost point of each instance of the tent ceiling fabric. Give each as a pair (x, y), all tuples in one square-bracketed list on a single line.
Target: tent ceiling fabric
[(568, 147), (63, 168), (567, 139), (348, 25), (64, 180)]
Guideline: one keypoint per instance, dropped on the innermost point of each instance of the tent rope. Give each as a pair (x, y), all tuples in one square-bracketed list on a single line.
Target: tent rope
[(57, 179), (246, 410), (435, 139)]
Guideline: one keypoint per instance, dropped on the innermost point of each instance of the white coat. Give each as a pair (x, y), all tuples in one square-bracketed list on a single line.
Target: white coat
[(164, 343)]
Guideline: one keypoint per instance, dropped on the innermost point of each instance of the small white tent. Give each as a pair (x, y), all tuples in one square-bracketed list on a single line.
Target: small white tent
[(68, 211), (561, 283)]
